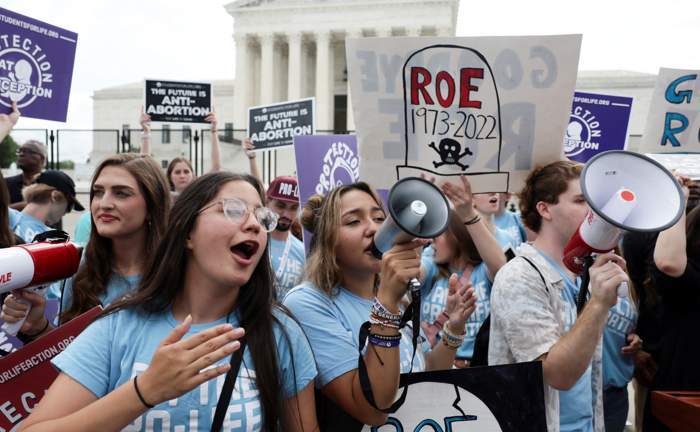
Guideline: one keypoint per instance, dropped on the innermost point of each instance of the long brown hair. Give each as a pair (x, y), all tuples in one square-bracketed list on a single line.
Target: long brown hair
[(93, 276), (171, 168), (164, 281), (321, 216), (461, 242), (7, 237)]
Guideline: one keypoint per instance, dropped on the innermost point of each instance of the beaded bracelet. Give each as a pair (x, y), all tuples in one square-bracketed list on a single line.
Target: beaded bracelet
[(383, 322), (384, 343), (450, 339), (380, 310), (387, 337)]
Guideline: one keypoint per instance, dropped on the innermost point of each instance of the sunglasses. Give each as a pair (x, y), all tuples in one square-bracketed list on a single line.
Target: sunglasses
[(20, 151), (237, 211)]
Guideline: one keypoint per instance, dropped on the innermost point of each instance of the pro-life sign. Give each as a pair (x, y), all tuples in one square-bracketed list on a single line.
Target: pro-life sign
[(597, 123), (274, 126), (177, 102), (25, 375), (36, 66)]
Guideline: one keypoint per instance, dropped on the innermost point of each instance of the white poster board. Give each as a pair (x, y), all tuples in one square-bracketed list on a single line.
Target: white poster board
[(673, 123), (488, 107)]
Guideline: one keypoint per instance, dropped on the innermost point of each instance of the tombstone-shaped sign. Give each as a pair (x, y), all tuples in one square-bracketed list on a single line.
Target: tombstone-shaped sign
[(491, 108), (452, 115)]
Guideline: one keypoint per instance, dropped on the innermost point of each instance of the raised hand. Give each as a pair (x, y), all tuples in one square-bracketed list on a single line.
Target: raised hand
[(178, 366), (248, 146), (211, 118), (8, 121), (145, 121), (461, 197), (461, 303)]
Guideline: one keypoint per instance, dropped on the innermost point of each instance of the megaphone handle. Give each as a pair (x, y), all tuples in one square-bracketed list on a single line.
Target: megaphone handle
[(13, 328), (585, 280)]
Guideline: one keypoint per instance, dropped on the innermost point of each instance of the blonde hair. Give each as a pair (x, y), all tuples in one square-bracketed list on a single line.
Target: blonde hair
[(39, 193), (321, 217)]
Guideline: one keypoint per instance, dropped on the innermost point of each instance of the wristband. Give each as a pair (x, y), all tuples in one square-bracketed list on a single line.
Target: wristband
[(473, 220), (385, 343), (138, 393)]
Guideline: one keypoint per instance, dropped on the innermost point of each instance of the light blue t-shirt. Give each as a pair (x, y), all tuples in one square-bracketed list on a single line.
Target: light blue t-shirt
[(510, 222), (435, 301), (82, 229), (116, 288), (506, 239), (114, 349), (293, 254), (13, 216), (26, 226), (332, 324), (575, 404), (618, 368)]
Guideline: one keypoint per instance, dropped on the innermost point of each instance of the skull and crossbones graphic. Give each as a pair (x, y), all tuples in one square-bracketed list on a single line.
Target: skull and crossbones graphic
[(449, 151)]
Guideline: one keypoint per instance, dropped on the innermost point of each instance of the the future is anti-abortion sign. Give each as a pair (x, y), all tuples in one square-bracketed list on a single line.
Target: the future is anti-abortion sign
[(177, 102), (488, 107), (273, 126), (36, 66)]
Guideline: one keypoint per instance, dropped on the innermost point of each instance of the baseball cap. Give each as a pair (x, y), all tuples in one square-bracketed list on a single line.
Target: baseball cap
[(283, 188), (63, 183)]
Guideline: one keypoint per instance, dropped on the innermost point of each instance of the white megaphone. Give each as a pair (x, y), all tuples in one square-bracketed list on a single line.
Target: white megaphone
[(626, 191), (417, 209), (34, 266)]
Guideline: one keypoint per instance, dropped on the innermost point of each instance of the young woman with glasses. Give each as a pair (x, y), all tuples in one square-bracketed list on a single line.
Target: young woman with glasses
[(159, 356)]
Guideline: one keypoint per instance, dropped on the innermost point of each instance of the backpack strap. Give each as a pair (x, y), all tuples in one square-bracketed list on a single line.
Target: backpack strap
[(227, 390)]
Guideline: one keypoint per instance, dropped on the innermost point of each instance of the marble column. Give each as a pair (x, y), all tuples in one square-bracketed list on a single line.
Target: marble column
[(294, 73), (267, 75), (243, 82), (352, 34), (323, 79)]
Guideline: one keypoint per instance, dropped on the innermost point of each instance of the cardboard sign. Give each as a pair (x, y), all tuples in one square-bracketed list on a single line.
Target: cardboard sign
[(684, 163), (273, 126), (490, 107), (673, 124), (323, 163), (25, 375), (507, 398), (598, 123), (177, 102), (36, 66)]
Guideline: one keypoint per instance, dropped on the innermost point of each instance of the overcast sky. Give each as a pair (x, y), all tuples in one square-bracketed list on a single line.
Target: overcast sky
[(126, 40)]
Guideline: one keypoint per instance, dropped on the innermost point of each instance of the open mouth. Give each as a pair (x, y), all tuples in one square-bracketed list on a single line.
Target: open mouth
[(245, 250), (493, 200)]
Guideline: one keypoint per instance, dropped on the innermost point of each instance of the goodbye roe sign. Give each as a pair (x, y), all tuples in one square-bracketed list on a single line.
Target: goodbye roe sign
[(36, 66), (174, 101), (488, 107), (673, 124)]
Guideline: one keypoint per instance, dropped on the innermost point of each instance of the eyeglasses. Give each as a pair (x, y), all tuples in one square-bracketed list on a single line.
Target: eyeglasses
[(237, 211), (26, 150)]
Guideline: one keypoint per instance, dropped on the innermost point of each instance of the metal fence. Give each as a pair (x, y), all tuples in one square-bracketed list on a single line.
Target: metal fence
[(191, 143)]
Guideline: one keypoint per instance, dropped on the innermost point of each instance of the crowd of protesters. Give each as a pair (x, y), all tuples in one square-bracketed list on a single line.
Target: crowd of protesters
[(192, 270)]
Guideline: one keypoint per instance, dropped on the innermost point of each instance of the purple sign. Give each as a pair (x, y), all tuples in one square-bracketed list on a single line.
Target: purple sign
[(598, 123), (324, 162), (36, 66)]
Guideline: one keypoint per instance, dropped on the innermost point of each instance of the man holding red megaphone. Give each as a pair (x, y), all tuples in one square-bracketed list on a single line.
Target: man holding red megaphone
[(533, 302)]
